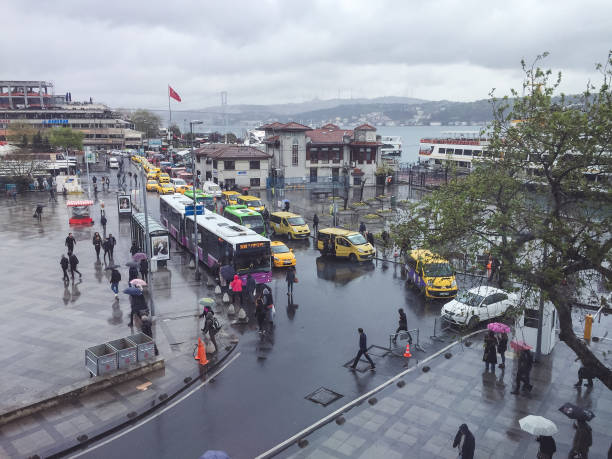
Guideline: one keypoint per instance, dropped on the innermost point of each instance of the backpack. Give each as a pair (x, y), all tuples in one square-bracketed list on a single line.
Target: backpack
[(216, 325)]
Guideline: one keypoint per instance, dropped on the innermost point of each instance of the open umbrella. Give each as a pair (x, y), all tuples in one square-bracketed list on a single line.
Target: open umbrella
[(138, 282), (519, 345), (206, 302), (132, 264), (227, 271), (210, 454), (575, 412), (108, 268), (135, 291), (139, 256), (537, 425), (496, 327)]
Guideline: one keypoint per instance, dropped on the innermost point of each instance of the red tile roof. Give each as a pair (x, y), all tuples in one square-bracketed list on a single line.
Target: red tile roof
[(223, 151), (330, 126), (275, 125), (365, 127), (328, 136), (272, 139), (290, 126)]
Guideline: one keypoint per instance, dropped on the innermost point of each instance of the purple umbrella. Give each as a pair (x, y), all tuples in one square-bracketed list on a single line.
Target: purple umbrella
[(496, 327), (575, 412), (139, 256)]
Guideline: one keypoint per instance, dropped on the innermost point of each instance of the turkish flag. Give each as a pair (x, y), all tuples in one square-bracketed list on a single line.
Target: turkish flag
[(174, 94)]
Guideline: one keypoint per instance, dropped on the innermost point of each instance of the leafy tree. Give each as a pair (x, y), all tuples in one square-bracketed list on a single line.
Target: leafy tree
[(541, 204), (16, 133), (64, 137), (147, 122)]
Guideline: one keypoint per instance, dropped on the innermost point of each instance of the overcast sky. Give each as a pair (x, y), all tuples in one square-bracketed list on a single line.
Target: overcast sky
[(124, 53)]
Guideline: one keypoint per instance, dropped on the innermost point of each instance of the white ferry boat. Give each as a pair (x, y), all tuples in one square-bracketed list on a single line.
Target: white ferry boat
[(392, 145), (460, 147)]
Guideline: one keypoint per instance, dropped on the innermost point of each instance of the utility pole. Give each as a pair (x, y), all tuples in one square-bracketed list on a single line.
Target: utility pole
[(148, 251), (195, 204)]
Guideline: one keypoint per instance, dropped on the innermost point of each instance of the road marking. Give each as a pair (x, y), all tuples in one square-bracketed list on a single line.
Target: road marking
[(330, 417), (159, 413)]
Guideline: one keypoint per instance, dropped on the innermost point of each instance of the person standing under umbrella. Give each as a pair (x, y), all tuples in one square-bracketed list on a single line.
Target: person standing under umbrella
[(70, 243), (490, 353), (97, 243), (525, 363), (469, 444), (144, 269), (209, 327), (548, 447), (582, 440), (114, 281), (502, 347)]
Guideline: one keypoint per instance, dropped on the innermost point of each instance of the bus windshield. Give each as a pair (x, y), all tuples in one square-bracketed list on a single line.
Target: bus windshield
[(252, 262), (253, 203), (252, 221), (438, 270), (356, 239), (296, 221)]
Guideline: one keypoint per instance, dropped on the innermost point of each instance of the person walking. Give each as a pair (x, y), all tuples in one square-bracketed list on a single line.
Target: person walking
[(138, 303), (287, 205), (363, 350), (97, 243), (52, 197), (548, 447), (133, 273), (114, 281), (583, 439), (236, 286), (251, 285), (111, 244), (469, 444), (290, 278), (146, 327), (489, 267), (38, 212), (584, 373), (315, 224), (362, 228), (370, 238), (525, 362), (105, 249), (64, 264), (502, 347), (134, 249), (103, 223), (489, 356), (209, 327), (403, 326), (70, 243), (144, 270), (74, 261)]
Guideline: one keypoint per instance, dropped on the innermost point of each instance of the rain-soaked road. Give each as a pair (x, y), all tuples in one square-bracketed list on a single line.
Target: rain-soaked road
[(259, 399)]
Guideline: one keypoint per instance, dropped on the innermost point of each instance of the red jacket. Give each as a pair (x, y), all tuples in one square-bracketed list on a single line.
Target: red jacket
[(236, 284)]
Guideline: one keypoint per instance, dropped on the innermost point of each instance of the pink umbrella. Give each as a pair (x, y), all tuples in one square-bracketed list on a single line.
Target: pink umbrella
[(519, 345), (139, 256), (496, 327), (138, 283)]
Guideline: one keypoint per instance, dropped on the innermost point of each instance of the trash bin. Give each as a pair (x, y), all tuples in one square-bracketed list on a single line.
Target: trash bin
[(144, 345), (153, 264), (100, 359), (393, 201), (126, 352)]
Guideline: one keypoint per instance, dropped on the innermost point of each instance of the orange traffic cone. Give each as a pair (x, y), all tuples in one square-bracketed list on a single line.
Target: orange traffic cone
[(201, 353), (407, 353)]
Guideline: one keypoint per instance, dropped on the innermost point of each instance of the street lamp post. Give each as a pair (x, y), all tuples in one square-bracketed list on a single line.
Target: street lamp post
[(195, 203)]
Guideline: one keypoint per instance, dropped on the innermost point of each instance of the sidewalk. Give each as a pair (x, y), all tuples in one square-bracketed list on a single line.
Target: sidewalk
[(47, 326), (420, 419)]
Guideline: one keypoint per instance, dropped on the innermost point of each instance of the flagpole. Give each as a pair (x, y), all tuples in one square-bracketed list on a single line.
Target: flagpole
[(169, 109)]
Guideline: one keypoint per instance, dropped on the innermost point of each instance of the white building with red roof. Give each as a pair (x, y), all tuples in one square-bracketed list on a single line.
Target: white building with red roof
[(300, 154)]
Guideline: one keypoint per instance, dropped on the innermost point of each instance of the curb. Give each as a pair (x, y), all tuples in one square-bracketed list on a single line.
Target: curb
[(75, 391), (330, 417), (81, 442)]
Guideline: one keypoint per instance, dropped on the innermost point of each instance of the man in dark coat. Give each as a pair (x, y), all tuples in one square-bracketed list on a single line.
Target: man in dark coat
[(489, 356), (469, 444), (548, 447), (105, 248), (210, 329), (502, 347), (290, 278), (114, 281), (362, 228), (363, 350), (103, 223), (138, 303), (582, 440), (70, 243), (525, 363), (133, 273), (370, 237), (250, 288), (134, 249), (147, 328), (403, 326), (315, 224), (144, 269), (64, 264), (260, 314), (584, 373), (74, 261), (111, 244)]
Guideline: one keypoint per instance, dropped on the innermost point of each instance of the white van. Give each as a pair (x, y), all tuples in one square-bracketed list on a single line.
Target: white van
[(212, 188), (113, 163)]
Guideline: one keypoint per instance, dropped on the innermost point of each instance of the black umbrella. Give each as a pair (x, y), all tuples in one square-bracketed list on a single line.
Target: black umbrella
[(227, 272), (575, 412), (108, 268), (132, 264)]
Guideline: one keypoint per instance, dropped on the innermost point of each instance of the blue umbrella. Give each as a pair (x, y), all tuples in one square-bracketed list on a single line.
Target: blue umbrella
[(133, 291), (210, 454)]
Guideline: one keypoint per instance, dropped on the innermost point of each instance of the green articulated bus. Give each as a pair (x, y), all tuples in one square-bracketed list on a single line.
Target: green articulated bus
[(246, 217), (202, 198)]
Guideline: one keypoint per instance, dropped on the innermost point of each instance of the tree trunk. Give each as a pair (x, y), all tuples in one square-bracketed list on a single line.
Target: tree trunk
[(581, 349)]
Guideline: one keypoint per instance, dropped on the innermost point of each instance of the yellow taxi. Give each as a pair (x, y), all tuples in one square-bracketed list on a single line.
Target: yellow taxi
[(151, 176), (252, 202), (152, 185), (282, 256), (164, 178), (231, 197), (145, 165), (165, 188), (136, 158)]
